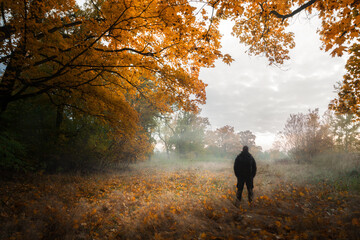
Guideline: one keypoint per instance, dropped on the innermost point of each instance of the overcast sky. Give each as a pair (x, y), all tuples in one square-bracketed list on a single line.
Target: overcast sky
[(251, 95)]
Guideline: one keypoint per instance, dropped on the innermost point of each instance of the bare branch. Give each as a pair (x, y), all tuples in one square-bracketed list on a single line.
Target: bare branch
[(302, 7), (150, 54), (41, 35), (98, 9)]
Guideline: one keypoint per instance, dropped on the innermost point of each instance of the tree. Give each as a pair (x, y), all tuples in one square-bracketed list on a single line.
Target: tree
[(348, 90), (305, 136), (189, 133), (77, 142), (97, 60), (345, 131), (165, 131), (107, 69), (276, 155), (247, 138), (223, 140)]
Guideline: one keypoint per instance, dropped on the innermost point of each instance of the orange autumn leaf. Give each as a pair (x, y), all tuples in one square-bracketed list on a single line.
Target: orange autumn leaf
[(355, 222), (278, 223)]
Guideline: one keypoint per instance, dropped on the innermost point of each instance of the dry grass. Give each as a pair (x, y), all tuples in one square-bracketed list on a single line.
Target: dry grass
[(194, 200)]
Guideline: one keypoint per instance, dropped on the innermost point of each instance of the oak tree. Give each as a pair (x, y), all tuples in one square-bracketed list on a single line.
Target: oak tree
[(97, 60)]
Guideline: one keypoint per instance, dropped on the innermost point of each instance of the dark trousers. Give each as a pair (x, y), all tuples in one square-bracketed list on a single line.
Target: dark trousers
[(249, 185)]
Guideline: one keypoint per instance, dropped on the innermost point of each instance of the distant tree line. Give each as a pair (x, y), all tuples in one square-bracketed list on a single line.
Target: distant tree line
[(188, 135), (305, 136)]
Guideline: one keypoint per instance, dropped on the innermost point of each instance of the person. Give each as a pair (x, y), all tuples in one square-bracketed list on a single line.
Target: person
[(245, 171)]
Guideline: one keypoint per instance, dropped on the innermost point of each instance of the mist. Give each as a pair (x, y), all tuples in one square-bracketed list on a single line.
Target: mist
[(305, 186), (145, 120)]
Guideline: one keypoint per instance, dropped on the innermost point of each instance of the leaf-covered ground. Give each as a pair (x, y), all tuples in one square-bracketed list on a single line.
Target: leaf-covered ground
[(180, 203)]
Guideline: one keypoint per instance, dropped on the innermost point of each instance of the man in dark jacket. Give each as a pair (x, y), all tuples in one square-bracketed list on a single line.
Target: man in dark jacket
[(245, 171)]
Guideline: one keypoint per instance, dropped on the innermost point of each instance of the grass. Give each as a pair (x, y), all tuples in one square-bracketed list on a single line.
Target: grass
[(178, 200)]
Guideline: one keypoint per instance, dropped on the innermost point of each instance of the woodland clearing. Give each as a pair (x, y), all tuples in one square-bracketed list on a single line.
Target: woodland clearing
[(187, 200)]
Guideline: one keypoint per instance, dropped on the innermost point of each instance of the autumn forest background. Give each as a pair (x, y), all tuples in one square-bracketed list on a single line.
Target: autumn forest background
[(101, 135)]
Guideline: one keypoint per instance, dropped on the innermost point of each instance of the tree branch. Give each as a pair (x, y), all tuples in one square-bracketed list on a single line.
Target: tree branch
[(6, 31), (302, 7), (98, 9), (17, 96), (52, 30), (150, 54), (47, 59)]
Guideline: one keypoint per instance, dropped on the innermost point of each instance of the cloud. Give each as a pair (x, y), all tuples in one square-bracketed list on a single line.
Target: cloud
[(251, 95)]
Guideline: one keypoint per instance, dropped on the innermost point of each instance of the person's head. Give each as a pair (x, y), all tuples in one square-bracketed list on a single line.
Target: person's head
[(245, 149)]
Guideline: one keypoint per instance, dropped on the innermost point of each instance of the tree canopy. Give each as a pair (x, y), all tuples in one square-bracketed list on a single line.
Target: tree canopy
[(112, 51), (98, 60), (262, 26)]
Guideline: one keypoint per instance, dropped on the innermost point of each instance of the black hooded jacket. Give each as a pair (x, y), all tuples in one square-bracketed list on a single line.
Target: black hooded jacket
[(245, 165)]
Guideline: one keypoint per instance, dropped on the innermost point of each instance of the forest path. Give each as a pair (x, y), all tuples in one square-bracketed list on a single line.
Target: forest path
[(191, 202)]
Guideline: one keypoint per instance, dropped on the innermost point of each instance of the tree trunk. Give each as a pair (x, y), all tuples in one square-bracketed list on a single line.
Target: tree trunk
[(59, 120), (11, 75)]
